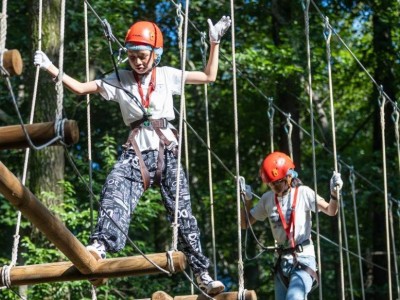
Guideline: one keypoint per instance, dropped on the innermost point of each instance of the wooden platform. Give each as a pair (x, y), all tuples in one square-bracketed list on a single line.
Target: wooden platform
[(249, 295)]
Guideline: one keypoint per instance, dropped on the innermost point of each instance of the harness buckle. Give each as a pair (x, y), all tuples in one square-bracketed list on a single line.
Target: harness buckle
[(299, 248)]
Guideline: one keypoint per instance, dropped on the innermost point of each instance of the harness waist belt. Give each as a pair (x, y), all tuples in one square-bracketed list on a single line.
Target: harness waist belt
[(298, 248), (155, 123)]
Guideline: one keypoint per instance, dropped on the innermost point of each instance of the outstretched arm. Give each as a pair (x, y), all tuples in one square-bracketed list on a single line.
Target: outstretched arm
[(77, 87), (210, 72)]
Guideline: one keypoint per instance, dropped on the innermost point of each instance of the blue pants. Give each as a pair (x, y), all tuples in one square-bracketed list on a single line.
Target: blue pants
[(300, 282), (121, 194)]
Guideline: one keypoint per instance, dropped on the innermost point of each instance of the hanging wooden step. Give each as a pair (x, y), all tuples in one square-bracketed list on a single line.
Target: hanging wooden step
[(13, 137), (248, 295), (12, 62), (113, 267)]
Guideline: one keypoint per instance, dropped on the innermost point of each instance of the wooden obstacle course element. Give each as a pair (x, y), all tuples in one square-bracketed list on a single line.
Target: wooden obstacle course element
[(248, 295), (56, 232), (13, 137), (113, 267), (12, 62)]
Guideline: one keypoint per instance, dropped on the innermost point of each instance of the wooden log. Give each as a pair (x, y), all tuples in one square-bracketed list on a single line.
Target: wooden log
[(12, 62), (56, 232), (249, 295), (113, 267), (160, 295), (13, 137)]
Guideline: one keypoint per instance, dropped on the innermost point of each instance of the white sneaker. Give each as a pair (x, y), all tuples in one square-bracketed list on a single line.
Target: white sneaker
[(97, 249), (209, 285)]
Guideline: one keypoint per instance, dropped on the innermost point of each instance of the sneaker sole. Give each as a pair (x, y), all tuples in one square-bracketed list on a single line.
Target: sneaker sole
[(216, 290)]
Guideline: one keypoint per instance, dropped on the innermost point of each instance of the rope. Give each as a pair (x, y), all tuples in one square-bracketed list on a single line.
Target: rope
[(306, 6), (3, 27), (346, 244), (210, 180), (237, 177), (328, 35), (289, 130), (270, 113), (182, 109), (353, 193), (88, 118), (59, 84), (393, 239), (382, 102), (395, 118)]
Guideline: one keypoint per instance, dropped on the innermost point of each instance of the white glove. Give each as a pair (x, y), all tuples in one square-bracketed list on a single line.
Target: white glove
[(218, 30), (336, 182), (248, 195), (42, 60)]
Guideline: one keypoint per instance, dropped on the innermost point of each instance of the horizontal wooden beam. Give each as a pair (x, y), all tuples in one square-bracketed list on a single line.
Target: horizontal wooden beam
[(13, 137), (248, 295), (113, 267), (12, 62), (55, 231)]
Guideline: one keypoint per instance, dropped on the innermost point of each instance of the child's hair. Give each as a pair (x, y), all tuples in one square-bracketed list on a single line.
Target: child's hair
[(296, 182)]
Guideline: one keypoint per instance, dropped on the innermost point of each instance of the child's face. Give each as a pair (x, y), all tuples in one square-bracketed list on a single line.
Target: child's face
[(280, 186), (141, 61)]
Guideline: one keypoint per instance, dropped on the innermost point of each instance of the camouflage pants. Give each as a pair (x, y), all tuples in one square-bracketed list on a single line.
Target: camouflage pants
[(122, 191)]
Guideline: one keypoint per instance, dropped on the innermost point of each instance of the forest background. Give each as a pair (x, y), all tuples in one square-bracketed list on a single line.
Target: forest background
[(272, 89)]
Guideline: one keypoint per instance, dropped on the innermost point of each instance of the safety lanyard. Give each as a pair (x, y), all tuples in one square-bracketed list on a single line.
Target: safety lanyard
[(288, 225), (152, 87)]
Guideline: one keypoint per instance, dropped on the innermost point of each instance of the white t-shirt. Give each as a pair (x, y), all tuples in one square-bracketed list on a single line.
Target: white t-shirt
[(168, 83), (266, 208)]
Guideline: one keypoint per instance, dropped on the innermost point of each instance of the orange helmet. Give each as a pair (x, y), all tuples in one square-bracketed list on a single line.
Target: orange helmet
[(144, 32), (275, 167)]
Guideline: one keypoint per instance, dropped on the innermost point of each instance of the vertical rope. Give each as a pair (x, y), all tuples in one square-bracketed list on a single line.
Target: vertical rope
[(210, 180), (3, 28), (59, 85), (88, 117), (270, 113), (382, 102), (306, 6), (237, 177), (181, 114), (179, 22), (393, 239), (352, 179), (289, 130), (395, 118), (328, 35)]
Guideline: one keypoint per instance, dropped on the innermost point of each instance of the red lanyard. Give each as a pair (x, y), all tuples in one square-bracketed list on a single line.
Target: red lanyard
[(152, 87), (291, 221)]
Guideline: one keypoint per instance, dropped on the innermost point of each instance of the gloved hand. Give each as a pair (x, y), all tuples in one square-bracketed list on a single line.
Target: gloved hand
[(42, 60), (336, 182), (248, 195), (218, 30)]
